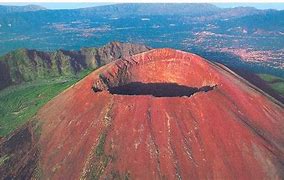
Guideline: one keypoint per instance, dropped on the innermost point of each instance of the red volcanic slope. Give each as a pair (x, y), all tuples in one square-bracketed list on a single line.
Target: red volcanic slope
[(233, 131)]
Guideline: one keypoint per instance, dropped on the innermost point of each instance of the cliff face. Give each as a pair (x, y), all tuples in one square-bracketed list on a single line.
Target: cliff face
[(96, 57), (5, 79), (162, 114), (27, 65)]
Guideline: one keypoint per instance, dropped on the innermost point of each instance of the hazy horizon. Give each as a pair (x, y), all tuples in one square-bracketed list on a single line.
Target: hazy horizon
[(278, 6)]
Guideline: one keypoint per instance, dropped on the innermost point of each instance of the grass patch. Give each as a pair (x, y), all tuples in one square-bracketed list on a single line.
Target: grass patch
[(20, 103), (99, 161), (3, 159), (276, 83), (101, 158), (100, 150)]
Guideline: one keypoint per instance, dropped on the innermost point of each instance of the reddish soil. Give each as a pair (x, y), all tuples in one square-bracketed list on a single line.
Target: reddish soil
[(116, 124)]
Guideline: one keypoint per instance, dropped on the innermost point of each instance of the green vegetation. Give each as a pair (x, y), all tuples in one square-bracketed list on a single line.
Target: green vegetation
[(101, 145), (37, 174), (101, 159), (25, 65), (276, 83), (20, 103), (3, 159)]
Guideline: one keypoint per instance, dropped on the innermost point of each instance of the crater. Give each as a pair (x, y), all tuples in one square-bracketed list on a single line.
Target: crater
[(165, 74), (156, 89)]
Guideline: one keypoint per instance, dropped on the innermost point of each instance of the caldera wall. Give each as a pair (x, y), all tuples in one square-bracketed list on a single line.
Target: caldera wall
[(162, 67)]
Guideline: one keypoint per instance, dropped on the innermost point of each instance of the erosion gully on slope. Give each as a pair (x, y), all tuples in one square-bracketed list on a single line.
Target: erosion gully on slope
[(156, 89)]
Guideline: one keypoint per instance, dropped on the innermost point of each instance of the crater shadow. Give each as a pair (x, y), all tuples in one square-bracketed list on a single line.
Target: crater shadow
[(156, 89)]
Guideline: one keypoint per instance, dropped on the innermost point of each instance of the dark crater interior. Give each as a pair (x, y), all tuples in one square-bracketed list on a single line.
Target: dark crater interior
[(156, 89)]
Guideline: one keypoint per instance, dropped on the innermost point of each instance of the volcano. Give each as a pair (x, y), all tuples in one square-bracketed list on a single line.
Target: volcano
[(162, 114)]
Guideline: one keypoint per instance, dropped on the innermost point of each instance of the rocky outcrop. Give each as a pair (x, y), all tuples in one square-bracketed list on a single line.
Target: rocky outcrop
[(26, 65), (5, 79), (112, 124), (96, 57)]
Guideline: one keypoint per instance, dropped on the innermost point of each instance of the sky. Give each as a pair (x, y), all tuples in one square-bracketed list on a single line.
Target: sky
[(279, 6)]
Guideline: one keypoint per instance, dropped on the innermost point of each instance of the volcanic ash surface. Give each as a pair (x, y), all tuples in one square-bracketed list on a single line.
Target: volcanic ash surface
[(162, 114)]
